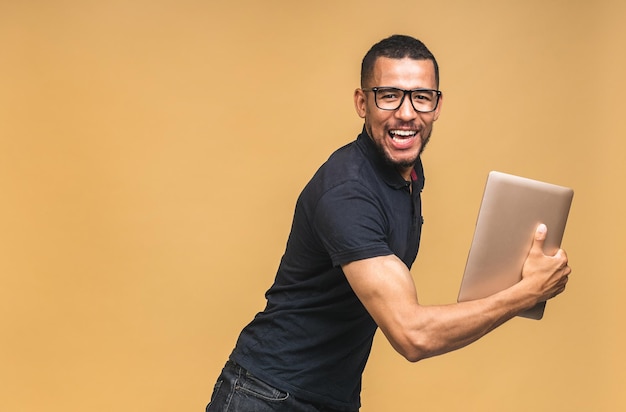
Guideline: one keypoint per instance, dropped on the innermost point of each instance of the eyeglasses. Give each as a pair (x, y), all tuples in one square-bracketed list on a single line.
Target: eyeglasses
[(391, 98)]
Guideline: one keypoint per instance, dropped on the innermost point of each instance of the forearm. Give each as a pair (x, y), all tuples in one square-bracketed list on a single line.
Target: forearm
[(434, 330)]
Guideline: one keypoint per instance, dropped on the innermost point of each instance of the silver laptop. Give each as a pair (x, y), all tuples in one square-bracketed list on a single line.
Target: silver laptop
[(510, 211)]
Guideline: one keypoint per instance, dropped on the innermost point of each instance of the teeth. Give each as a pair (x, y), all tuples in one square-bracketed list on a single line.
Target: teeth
[(402, 133)]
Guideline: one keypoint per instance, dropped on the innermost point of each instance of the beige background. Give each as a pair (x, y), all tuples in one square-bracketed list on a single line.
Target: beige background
[(151, 153)]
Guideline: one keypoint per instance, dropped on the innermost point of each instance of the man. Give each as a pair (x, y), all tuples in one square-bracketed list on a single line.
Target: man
[(345, 271)]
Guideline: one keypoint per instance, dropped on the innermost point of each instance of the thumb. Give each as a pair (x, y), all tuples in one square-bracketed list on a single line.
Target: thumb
[(540, 236)]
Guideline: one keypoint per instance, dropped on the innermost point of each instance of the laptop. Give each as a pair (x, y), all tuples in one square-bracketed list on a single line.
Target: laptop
[(511, 209)]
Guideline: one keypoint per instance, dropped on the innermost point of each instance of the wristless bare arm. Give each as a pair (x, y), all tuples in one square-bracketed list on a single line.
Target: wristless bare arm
[(385, 287)]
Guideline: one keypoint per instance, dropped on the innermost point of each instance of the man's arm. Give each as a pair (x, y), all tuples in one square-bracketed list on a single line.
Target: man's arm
[(385, 287)]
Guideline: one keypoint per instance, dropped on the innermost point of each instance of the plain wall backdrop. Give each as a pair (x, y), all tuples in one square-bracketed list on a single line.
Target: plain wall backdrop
[(151, 153)]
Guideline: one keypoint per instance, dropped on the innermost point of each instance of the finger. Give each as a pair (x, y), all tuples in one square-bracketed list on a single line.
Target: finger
[(540, 237), (561, 257), (541, 231)]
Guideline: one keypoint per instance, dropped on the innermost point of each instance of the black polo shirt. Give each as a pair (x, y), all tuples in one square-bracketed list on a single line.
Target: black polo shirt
[(314, 336)]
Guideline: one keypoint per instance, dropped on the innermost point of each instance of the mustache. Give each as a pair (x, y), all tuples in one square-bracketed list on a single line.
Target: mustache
[(404, 125)]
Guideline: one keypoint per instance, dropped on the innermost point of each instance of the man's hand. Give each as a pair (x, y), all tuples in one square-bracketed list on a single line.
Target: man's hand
[(546, 275)]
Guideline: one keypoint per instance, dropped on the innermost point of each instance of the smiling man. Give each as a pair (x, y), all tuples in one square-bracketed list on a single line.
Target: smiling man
[(345, 271), (401, 120)]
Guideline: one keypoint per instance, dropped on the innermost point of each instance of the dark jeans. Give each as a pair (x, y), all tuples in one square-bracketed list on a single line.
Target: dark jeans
[(236, 390)]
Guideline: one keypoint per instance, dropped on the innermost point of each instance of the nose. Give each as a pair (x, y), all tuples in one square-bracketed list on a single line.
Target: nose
[(406, 111)]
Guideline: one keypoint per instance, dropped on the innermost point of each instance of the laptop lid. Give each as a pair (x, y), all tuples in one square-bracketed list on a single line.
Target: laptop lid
[(511, 209)]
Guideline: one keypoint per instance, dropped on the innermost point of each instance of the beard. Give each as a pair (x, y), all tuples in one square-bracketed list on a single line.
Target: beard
[(402, 164)]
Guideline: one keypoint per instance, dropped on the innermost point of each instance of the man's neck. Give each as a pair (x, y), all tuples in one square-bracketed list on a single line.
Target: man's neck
[(406, 173)]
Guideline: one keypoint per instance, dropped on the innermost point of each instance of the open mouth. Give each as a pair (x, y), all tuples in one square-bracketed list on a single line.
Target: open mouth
[(399, 135), (402, 139)]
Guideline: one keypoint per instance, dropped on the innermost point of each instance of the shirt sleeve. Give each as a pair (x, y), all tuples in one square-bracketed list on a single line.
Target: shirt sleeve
[(351, 224)]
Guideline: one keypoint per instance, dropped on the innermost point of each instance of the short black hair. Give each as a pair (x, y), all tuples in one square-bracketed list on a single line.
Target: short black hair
[(397, 46)]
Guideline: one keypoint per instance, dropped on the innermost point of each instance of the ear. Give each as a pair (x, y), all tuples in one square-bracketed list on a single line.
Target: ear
[(359, 102)]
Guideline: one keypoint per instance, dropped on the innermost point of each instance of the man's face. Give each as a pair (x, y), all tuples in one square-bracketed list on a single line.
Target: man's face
[(402, 134)]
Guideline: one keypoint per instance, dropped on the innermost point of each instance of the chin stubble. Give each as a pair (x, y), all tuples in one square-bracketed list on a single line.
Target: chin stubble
[(405, 163)]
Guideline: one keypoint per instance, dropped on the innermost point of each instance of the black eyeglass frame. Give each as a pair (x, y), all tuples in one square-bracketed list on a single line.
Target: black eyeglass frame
[(404, 94)]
